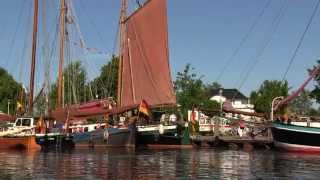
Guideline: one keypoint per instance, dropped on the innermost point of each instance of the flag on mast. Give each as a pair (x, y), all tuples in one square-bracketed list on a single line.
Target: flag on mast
[(144, 108)]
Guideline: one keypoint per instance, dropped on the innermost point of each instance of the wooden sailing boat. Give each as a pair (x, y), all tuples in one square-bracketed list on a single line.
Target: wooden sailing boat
[(22, 134), (101, 135), (145, 72)]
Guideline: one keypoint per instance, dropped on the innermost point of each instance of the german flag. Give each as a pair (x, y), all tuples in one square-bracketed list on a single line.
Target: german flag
[(144, 108)]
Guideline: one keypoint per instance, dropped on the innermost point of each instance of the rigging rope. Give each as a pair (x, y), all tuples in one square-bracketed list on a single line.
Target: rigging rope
[(18, 24), (274, 26), (301, 40), (242, 42)]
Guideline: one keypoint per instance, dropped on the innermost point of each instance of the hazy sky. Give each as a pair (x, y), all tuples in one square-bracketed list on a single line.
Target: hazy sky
[(204, 33)]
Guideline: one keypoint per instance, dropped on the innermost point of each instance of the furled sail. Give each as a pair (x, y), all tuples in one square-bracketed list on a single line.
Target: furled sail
[(145, 70)]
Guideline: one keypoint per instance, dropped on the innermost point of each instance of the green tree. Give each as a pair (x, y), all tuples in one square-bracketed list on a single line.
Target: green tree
[(75, 87), (213, 86), (269, 89), (105, 85), (315, 93), (191, 91), (303, 104), (9, 91), (314, 112)]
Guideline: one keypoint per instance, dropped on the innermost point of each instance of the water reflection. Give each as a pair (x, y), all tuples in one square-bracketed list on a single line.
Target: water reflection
[(155, 164)]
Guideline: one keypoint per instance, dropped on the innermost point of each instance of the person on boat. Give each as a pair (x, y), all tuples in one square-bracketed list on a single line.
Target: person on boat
[(241, 126), (41, 126)]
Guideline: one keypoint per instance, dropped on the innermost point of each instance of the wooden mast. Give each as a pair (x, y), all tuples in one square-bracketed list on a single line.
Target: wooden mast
[(61, 54), (33, 56), (123, 15)]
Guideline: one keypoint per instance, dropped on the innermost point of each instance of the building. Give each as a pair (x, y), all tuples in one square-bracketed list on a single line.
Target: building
[(238, 100)]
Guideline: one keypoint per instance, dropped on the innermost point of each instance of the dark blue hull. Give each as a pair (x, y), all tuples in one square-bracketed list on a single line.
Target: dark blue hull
[(109, 137)]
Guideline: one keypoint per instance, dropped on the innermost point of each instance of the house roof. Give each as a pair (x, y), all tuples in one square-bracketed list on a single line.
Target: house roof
[(229, 94)]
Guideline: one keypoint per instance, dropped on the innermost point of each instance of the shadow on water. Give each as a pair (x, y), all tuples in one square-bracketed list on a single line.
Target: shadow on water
[(155, 164)]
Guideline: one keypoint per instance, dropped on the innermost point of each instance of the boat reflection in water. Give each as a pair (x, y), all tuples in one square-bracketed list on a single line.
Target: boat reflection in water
[(153, 164)]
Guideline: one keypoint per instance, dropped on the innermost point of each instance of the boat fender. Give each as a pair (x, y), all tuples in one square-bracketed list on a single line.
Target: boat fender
[(106, 134), (161, 129), (186, 124)]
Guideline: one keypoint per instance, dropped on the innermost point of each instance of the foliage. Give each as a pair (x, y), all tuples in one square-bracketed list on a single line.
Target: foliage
[(105, 85), (191, 91), (213, 86), (9, 90), (314, 112), (269, 89), (315, 93), (303, 104), (75, 87)]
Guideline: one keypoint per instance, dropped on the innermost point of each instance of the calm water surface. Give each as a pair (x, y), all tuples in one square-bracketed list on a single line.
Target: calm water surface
[(156, 164)]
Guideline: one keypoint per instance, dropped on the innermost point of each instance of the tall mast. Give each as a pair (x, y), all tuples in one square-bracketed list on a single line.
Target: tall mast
[(123, 16), (61, 54), (33, 56)]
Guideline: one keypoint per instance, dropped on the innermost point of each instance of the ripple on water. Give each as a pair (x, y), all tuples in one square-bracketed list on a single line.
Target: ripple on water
[(156, 164)]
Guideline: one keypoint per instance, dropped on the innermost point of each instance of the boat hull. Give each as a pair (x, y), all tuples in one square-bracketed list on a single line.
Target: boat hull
[(109, 137), (296, 138), (19, 142), (166, 139), (54, 141)]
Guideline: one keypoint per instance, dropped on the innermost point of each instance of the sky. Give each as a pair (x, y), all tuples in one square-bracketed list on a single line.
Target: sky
[(204, 33)]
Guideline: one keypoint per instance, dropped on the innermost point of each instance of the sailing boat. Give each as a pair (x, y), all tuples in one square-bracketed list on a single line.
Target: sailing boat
[(145, 73), (102, 134), (22, 134), (290, 136)]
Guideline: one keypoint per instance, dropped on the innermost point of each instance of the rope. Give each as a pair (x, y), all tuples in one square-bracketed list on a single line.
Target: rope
[(242, 42), (301, 40), (274, 27), (275, 24), (19, 17)]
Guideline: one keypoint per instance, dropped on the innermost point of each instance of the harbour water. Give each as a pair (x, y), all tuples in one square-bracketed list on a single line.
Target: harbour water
[(158, 164)]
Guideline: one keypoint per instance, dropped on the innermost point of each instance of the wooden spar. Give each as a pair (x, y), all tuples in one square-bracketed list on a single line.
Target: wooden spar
[(33, 56), (123, 15), (61, 54)]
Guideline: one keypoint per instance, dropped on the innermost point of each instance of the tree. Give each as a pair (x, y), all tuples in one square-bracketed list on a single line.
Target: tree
[(213, 86), (315, 93), (9, 91), (191, 91), (303, 104), (75, 87), (105, 85), (269, 89)]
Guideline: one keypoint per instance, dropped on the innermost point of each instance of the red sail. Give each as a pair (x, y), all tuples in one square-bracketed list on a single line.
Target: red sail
[(146, 71)]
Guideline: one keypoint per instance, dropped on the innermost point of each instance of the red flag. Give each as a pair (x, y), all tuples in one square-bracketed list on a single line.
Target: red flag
[(144, 108)]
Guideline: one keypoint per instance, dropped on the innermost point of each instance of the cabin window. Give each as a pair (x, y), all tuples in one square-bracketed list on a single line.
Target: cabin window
[(86, 129), (26, 122), (18, 123)]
